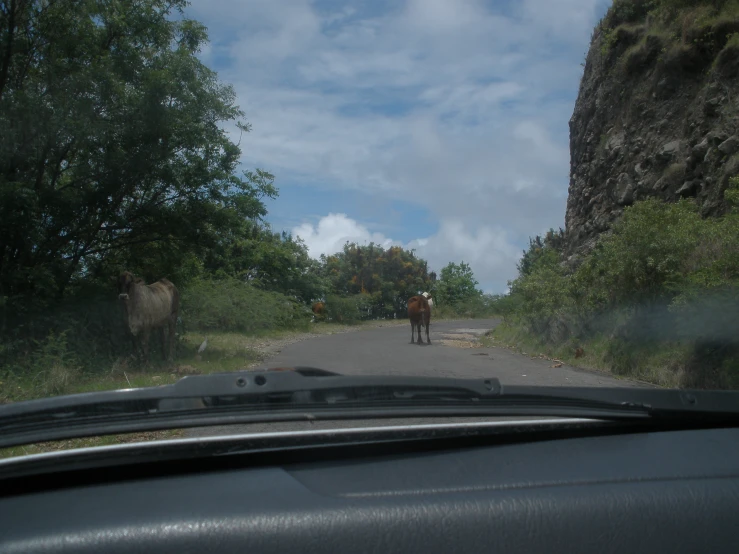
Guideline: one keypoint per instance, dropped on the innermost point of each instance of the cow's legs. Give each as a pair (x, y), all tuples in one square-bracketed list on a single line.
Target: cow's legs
[(144, 338), (172, 333), (428, 339), (165, 332), (420, 337), (413, 329), (136, 346)]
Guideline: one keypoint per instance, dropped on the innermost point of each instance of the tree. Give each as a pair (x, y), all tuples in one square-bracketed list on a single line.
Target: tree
[(112, 149), (272, 261), (456, 284), (386, 278), (538, 246)]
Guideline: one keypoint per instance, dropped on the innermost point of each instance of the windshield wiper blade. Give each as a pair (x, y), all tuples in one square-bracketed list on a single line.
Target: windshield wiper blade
[(308, 393)]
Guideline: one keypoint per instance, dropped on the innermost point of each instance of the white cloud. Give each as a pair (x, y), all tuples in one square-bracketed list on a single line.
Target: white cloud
[(332, 231), (570, 20), (443, 15), (487, 249)]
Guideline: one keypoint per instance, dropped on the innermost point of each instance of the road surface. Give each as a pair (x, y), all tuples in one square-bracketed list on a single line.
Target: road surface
[(454, 352)]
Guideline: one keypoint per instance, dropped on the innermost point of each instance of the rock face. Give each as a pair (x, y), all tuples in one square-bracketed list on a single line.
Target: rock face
[(657, 115)]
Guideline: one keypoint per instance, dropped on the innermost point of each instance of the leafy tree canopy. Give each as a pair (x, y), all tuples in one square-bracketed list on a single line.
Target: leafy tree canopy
[(390, 276), (113, 151), (456, 284)]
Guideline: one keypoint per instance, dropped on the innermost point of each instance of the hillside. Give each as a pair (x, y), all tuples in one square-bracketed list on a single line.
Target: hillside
[(657, 115)]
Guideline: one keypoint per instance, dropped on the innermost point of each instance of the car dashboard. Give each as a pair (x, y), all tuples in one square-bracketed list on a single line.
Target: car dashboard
[(594, 490)]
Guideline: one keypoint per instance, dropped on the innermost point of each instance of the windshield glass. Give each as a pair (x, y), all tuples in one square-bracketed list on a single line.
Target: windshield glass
[(543, 193)]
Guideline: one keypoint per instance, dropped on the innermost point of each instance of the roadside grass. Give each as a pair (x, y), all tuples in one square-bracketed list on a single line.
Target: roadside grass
[(467, 311), (518, 339), (658, 363), (224, 352)]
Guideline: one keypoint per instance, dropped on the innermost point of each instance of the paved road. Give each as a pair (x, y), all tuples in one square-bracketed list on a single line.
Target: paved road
[(387, 351)]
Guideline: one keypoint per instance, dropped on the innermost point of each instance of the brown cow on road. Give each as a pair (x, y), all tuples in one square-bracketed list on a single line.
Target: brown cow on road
[(419, 312), (147, 307)]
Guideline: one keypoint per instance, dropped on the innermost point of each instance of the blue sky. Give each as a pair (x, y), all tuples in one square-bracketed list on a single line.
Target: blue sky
[(440, 125)]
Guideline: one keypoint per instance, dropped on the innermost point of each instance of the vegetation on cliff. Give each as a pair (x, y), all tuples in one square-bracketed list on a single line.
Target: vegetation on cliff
[(644, 282), (656, 116), (656, 299), (652, 291)]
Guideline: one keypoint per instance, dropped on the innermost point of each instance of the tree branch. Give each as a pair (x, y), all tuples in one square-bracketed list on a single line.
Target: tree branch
[(5, 68)]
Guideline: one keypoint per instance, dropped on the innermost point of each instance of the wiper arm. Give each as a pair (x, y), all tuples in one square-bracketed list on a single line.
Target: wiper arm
[(218, 399), (306, 393)]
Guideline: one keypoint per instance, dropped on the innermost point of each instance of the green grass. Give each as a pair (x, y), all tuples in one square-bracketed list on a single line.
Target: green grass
[(232, 305), (687, 35), (674, 175), (225, 352), (659, 363)]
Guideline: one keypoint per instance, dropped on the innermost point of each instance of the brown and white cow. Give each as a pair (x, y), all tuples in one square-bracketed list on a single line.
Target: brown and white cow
[(419, 312)]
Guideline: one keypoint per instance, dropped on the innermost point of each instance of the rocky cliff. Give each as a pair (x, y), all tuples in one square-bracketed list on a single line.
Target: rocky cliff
[(657, 113)]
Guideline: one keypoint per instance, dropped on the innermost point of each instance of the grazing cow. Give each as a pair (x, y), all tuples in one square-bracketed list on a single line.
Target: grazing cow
[(319, 311), (428, 297), (147, 307), (419, 313)]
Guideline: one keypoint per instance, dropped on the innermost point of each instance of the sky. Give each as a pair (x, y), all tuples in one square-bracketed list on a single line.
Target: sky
[(438, 125)]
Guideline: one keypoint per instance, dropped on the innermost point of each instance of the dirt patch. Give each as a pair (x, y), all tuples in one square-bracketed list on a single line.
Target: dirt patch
[(183, 370), (459, 336), (460, 343)]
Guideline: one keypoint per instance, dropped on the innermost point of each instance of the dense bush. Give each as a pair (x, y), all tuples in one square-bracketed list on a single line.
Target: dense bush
[(342, 309), (231, 305), (479, 306), (663, 276)]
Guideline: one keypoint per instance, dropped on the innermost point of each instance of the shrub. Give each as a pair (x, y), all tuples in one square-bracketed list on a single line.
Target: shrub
[(629, 11), (344, 309), (53, 366), (46, 368), (231, 305), (643, 258), (726, 61), (674, 175), (662, 287), (484, 305), (89, 318)]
